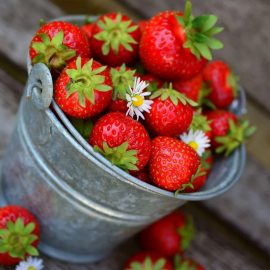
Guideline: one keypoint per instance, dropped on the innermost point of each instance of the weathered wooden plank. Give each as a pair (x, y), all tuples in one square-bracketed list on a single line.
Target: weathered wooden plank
[(247, 204), (16, 30), (8, 107), (93, 7), (246, 37)]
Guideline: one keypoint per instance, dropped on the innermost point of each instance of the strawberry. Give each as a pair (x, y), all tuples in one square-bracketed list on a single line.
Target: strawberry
[(87, 27), (177, 46), (171, 113), (200, 122), (142, 25), (19, 234), (122, 78), (227, 131), (195, 89), (142, 175), (122, 140), (199, 181), (115, 39), (56, 43), (83, 89), (148, 260), (169, 235), (186, 264), (222, 84), (173, 164)]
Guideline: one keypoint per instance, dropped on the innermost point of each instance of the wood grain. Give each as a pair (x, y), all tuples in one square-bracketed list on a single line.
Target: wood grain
[(246, 37)]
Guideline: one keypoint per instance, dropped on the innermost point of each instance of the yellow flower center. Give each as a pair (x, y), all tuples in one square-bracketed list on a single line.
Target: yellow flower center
[(137, 101), (31, 268), (194, 145)]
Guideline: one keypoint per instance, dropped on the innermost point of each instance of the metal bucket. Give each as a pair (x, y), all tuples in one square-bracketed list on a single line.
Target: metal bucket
[(85, 205)]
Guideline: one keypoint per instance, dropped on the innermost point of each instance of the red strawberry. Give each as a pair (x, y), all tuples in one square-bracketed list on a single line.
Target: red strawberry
[(87, 27), (171, 113), (194, 89), (122, 140), (142, 25), (142, 175), (115, 39), (83, 88), (176, 46), (199, 181), (169, 235), (228, 132), (173, 163), (186, 264), (148, 260), (200, 122), (122, 78), (56, 43), (19, 234), (87, 30), (221, 82)]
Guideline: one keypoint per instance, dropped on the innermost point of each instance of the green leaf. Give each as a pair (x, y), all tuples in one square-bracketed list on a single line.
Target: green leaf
[(215, 44), (19, 225), (103, 87), (32, 251), (200, 21), (58, 39), (45, 38), (39, 47), (204, 50), (210, 22)]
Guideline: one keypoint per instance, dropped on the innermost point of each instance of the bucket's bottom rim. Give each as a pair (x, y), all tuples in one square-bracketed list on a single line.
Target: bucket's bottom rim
[(70, 257)]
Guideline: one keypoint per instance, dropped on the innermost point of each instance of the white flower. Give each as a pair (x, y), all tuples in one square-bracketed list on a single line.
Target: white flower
[(197, 140), (137, 104), (30, 264)]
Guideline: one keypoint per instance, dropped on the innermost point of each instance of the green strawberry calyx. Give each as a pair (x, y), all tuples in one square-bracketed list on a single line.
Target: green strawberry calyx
[(200, 122), (187, 233), (199, 33), (83, 126), (148, 264), (115, 32), (232, 81), (85, 80), (237, 134), (181, 264), (121, 80), (52, 52), (173, 95), (120, 156), (17, 239)]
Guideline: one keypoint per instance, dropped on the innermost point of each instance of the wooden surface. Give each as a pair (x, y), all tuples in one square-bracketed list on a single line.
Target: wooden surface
[(233, 229)]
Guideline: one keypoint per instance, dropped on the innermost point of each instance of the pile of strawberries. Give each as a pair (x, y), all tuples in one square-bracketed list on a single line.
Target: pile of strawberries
[(164, 244), (146, 96)]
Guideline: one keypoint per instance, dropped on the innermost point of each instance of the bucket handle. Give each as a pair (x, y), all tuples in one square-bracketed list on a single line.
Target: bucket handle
[(40, 86)]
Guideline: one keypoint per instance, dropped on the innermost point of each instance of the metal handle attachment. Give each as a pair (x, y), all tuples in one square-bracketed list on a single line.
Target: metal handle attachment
[(40, 86)]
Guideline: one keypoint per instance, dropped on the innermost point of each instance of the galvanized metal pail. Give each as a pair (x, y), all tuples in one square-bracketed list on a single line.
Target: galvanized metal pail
[(85, 205)]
